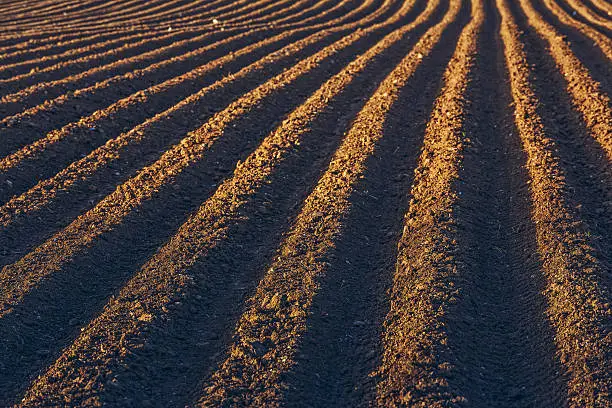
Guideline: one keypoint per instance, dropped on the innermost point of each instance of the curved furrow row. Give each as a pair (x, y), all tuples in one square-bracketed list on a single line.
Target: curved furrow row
[(33, 9), (465, 325), (21, 40), (601, 6), (40, 95), (268, 333), (576, 283), (66, 9), (47, 6), (69, 55), (142, 99), (63, 42), (57, 46), (25, 27), (586, 94), (188, 21), (144, 185), (21, 64), (12, 82), (46, 190), (589, 16), (138, 51), (307, 14), (235, 9), (192, 14), (317, 65), (305, 203), (294, 123), (17, 42), (592, 56), (31, 92), (138, 12), (132, 32), (416, 364), (126, 30), (602, 40), (58, 330)]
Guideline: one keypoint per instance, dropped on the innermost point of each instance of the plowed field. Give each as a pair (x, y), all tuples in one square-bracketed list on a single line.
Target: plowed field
[(306, 203)]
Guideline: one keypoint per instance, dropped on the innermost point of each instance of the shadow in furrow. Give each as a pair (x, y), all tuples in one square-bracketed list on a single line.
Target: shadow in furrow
[(37, 330), (341, 346), (587, 169), (589, 54), (31, 229), (82, 141), (568, 8), (71, 109), (499, 333)]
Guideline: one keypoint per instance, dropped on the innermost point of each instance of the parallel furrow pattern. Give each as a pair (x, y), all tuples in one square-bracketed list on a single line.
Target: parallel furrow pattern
[(305, 203)]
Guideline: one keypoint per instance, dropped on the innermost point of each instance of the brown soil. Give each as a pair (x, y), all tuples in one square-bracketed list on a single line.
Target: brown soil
[(305, 203)]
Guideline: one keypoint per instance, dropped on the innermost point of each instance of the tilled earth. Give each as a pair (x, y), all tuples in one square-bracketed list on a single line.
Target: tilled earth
[(305, 203)]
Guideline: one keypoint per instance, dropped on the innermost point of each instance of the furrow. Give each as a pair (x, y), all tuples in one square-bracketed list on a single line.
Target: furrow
[(499, 331), (32, 9), (66, 75), (136, 10), (43, 104), (591, 55), (164, 214), (32, 46), (13, 81), (305, 203), (20, 278), (417, 361), (588, 171), (601, 7), (78, 173), (192, 9), (120, 116), (602, 40), (69, 6), (20, 40), (74, 9), (268, 333), (52, 104), (150, 12), (467, 324), (164, 43), (586, 93), (23, 64), (589, 16), (176, 23), (224, 207), (95, 39), (15, 101), (62, 46), (234, 9), (348, 310), (64, 10), (578, 305), (291, 129)]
